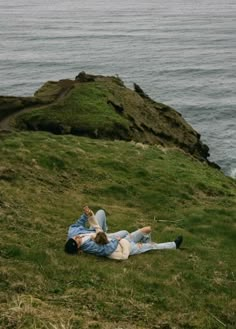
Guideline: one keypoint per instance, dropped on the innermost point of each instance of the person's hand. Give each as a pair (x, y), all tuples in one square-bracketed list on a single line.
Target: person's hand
[(118, 238), (88, 211)]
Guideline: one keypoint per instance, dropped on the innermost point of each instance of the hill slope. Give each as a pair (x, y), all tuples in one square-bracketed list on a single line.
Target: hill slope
[(44, 181)]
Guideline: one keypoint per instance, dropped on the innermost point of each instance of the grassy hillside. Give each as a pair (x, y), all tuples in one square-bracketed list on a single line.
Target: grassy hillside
[(45, 180)]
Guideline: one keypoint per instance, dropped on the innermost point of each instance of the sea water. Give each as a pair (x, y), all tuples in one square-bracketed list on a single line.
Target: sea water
[(181, 52)]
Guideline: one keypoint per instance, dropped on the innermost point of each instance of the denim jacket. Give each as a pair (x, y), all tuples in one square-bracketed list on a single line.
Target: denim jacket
[(90, 246)]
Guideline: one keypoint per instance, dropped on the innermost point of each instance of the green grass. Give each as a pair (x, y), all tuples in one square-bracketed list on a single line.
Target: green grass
[(44, 182), (49, 91), (84, 111)]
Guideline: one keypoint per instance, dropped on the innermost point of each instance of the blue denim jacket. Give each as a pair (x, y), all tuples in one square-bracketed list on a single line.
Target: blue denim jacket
[(90, 246)]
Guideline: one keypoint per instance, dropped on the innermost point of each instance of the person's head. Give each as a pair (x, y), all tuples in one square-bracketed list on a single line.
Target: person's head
[(101, 238), (72, 245)]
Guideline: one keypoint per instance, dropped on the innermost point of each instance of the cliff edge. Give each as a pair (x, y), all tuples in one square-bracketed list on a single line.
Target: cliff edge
[(101, 107)]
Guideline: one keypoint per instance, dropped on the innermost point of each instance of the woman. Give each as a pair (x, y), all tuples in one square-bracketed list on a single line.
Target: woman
[(136, 243)]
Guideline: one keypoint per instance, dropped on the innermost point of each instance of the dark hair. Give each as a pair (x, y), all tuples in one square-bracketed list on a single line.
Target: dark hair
[(101, 238), (71, 247)]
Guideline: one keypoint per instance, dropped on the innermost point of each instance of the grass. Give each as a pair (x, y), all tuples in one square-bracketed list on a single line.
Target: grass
[(46, 179), (85, 111)]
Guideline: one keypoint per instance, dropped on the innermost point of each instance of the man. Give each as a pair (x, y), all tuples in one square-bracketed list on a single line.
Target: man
[(80, 237)]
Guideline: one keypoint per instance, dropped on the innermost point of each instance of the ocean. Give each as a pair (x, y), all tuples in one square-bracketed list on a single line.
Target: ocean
[(181, 53)]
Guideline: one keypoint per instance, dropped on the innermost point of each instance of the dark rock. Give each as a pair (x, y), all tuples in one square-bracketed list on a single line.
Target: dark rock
[(117, 107), (83, 77), (140, 91)]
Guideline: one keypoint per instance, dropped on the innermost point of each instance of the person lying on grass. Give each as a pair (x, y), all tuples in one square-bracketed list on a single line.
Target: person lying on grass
[(136, 243), (117, 245), (80, 238)]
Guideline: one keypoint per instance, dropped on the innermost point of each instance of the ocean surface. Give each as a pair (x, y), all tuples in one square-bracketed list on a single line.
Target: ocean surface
[(181, 52)]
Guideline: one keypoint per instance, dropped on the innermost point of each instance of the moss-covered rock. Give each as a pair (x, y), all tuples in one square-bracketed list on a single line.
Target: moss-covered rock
[(102, 107)]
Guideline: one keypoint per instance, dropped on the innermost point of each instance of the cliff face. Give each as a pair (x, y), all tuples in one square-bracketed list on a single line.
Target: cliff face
[(102, 107)]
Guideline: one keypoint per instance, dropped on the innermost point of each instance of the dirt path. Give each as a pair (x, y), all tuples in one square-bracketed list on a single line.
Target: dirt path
[(7, 123)]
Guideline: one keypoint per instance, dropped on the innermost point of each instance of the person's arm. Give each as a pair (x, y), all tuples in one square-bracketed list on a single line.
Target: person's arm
[(122, 251), (82, 220), (92, 247), (109, 247), (84, 217), (80, 224)]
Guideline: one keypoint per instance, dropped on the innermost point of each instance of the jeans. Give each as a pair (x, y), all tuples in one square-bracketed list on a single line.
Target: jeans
[(140, 243), (102, 221)]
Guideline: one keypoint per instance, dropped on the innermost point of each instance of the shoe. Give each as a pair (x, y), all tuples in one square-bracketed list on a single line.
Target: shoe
[(178, 241)]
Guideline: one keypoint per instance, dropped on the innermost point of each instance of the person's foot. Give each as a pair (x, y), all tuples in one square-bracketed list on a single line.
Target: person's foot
[(178, 241)]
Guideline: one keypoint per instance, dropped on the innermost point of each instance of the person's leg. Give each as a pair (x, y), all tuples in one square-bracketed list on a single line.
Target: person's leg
[(141, 235), (101, 219), (139, 248), (122, 234)]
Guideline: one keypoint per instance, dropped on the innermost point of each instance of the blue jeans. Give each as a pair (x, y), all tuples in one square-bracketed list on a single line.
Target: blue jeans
[(140, 243), (102, 221)]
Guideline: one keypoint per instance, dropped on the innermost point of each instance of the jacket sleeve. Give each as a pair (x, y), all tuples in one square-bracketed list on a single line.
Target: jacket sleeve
[(92, 247), (109, 247), (82, 220), (79, 227)]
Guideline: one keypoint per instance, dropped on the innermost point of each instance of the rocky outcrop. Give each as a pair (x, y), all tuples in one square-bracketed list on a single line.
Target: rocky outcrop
[(102, 107)]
